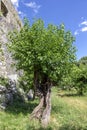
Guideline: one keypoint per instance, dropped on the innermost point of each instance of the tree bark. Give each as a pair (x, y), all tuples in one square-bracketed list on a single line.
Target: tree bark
[(37, 112), (36, 81), (47, 110), (43, 110)]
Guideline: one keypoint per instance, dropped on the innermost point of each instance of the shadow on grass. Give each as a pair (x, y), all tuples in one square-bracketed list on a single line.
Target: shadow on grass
[(63, 127), (21, 107), (41, 128), (69, 95), (70, 127)]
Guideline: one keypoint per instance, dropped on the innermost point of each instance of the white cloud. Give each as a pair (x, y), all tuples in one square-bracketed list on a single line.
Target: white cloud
[(15, 3), (22, 14), (33, 6), (76, 32), (19, 12), (84, 29), (84, 22)]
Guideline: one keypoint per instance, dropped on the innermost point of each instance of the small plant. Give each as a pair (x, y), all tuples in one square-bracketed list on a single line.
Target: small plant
[(0, 13), (3, 81)]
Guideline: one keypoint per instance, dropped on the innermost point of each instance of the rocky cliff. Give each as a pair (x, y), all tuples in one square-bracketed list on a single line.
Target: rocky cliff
[(9, 20)]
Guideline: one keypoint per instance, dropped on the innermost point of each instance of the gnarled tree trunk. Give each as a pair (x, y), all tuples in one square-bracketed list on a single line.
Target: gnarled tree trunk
[(36, 81), (43, 110), (47, 110)]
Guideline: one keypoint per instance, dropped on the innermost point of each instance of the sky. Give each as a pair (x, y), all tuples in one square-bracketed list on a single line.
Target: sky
[(73, 13)]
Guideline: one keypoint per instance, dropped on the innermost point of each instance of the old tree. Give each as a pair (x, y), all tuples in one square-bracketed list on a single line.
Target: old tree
[(46, 53)]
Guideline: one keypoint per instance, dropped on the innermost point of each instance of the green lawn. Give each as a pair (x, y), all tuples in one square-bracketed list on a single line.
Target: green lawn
[(68, 113)]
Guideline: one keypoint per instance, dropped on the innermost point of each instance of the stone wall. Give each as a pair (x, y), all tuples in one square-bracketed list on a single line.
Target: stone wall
[(11, 14), (9, 20)]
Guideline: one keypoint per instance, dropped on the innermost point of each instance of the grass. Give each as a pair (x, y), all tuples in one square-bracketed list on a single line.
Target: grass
[(68, 113)]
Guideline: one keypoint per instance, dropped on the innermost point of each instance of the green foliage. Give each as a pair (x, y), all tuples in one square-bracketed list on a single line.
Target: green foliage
[(25, 81), (1, 14), (83, 60), (48, 50), (67, 81), (0, 45), (77, 78), (3, 81), (81, 79)]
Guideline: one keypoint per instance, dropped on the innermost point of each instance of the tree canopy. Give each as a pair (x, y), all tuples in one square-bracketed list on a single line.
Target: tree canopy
[(49, 50)]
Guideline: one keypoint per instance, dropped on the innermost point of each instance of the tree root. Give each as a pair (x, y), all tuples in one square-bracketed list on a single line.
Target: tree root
[(46, 113), (41, 113), (37, 112)]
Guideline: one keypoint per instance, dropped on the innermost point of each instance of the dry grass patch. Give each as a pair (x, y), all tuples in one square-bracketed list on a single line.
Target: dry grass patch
[(75, 102)]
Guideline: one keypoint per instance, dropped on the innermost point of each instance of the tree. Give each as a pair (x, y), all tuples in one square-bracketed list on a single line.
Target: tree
[(83, 60), (48, 54), (67, 81), (80, 76), (77, 78)]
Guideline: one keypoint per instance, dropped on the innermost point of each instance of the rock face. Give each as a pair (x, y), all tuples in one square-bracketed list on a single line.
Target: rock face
[(9, 20), (6, 94), (10, 93), (30, 94)]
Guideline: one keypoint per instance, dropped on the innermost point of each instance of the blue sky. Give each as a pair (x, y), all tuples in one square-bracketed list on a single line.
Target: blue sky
[(73, 13)]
